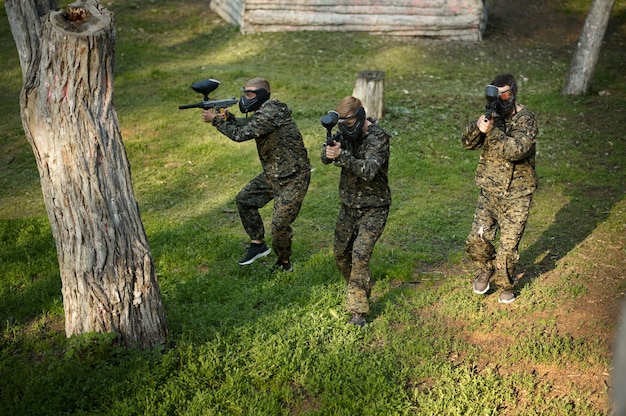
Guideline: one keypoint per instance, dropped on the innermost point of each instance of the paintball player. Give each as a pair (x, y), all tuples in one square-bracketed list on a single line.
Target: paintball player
[(361, 150), (507, 179), (286, 169)]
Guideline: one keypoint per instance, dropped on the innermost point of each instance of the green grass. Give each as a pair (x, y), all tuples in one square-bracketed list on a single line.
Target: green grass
[(246, 341)]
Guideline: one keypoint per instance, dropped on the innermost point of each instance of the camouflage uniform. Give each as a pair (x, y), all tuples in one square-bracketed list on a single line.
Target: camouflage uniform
[(286, 172), (507, 179), (365, 199)]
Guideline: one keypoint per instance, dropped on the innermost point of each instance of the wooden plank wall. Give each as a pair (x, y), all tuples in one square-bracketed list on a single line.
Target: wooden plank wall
[(445, 19), (230, 10)]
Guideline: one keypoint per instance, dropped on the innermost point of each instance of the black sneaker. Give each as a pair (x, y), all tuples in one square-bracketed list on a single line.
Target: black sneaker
[(481, 283), (507, 296), (358, 319), (282, 267), (255, 251)]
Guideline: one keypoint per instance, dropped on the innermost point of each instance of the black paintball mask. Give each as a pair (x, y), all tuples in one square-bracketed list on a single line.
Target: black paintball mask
[(353, 132), (505, 104), (249, 105)]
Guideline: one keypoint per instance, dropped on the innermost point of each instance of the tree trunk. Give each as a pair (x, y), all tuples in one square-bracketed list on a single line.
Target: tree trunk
[(584, 62), (107, 270)]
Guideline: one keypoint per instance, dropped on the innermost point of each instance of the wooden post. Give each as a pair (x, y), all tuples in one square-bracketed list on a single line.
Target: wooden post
[(369, 88)]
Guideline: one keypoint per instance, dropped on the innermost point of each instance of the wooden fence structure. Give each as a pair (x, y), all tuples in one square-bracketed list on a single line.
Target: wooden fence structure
[(463, 20)]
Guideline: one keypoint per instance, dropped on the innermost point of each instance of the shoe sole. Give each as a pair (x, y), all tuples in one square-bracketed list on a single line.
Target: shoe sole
[(258, 256), (483, 292), (507, 301)]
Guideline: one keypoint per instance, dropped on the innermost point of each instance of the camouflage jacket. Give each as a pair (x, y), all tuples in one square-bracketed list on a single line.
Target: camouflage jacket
[(506, 167), (278, 140), (364, 164)]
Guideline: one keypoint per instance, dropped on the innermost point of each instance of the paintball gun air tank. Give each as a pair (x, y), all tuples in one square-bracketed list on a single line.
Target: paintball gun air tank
[(329, 121), (491, 94), (205, 87)]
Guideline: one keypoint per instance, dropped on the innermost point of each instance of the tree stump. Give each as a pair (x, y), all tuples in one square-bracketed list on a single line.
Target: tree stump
[(370, 89)]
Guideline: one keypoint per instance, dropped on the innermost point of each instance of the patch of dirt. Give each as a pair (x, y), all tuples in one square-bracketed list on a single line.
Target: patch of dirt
[(598, 263)]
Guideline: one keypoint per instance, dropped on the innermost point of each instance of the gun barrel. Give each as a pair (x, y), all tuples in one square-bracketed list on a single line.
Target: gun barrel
[(490, 108), (491, 94), (205, 105), (220, 103), (186, 106)]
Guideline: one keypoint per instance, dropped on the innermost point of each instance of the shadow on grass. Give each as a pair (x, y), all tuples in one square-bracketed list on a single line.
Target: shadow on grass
[(206, 291), (30, 277), (587, 209)]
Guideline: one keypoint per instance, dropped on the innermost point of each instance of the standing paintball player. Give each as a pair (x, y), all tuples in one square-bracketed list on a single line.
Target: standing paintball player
[(286, 169), (507, 179), (361, 150)]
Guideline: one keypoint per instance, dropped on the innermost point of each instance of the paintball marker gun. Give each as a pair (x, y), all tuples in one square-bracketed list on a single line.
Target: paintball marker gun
[(329, 121), (205, 87), (491, 94)]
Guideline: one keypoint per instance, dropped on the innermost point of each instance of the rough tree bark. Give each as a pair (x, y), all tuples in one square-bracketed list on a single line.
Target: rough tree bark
[(107, 270), (578, 80)]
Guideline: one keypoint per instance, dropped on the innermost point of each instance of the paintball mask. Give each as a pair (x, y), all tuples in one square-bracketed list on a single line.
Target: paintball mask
[(249, 105), (505, 104), (353, 132)]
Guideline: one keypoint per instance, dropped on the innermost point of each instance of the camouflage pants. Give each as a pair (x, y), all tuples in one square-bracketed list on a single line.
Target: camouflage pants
[(495, 214), (287, 193), (356, 233)]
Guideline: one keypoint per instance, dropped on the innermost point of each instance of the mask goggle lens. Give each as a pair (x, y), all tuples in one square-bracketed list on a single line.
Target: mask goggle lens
[(344, 120), (505, 95)]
